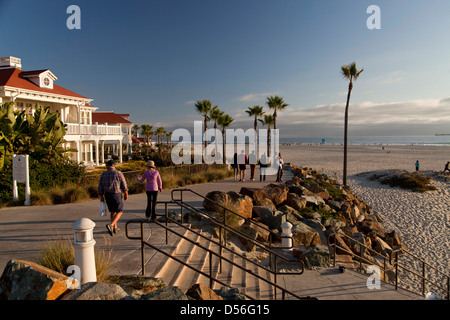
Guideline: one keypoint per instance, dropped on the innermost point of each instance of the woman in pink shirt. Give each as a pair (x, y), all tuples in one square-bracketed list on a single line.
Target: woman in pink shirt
[(153, 185)]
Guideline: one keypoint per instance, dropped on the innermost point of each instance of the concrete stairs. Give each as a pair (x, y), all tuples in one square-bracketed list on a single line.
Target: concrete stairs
[(175, 274)]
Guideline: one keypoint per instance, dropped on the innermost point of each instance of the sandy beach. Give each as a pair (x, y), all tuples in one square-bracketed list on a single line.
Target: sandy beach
[(421, 219)]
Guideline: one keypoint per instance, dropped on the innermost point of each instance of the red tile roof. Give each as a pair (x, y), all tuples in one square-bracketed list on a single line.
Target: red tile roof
[(13, 77), (108, 117)]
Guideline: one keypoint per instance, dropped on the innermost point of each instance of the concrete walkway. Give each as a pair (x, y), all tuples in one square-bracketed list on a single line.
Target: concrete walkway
[(24, 231)]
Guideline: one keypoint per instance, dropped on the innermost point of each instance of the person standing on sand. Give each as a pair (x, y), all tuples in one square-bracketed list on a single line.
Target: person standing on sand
[(417, 166), (110, 187), (153, 185), (253, 161)]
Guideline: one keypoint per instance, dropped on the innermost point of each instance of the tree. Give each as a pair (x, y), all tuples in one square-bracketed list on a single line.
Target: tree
[(351, 73), (215, 114), (276, 103), (204, 107), (146, 131), (40, 135), (255, 111), (224, 122), (268, 121), (135, 130)]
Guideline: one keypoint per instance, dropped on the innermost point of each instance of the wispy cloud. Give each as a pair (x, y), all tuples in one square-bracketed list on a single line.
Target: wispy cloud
[(254, 96)]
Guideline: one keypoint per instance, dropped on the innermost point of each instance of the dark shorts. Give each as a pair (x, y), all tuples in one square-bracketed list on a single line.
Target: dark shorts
[(114, 202), (242, 167)]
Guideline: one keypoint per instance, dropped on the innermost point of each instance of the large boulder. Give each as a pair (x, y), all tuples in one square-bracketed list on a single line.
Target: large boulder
[(276, 192), (24, 280), (166, 293), (317, 256), (98, 291), (200, 292), (304, 235), (216, 201), (295, 201)]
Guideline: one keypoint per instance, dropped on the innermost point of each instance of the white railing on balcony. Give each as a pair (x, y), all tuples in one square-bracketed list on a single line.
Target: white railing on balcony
[(94, 129)]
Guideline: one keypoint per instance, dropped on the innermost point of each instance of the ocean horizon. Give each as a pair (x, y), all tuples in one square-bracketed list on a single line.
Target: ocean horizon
[(431, 140)]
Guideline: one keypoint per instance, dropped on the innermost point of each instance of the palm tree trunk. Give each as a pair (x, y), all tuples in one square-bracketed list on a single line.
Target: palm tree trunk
[(344, 176), (206, 128), (275, 119), (223, 146)]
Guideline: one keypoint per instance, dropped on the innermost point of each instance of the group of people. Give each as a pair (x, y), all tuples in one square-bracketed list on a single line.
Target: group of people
[(113, 189), (112, 184), (240, 162)]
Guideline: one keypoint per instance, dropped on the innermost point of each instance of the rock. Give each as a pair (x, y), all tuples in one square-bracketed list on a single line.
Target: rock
[(393, 240), (216, 197), (318, 256), (248, 191), (370, 226), (276, 192), (336, 205), (305, 235), (24, 280), (311, 185), (382, 247), (254, 232), (262, 212), (166, 293), (274, 221), (355, 212), (228, 293), (200, 292), (341, 246), (241, 204), (265, 202), (332, 222), (313, 200), (295, 201), (98, 291), (136, 286)]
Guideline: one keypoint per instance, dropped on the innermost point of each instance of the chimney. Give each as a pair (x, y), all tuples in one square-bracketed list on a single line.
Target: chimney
[(10, 62)]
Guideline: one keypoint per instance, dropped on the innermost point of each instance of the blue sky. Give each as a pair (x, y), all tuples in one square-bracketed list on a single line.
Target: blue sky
[(153, 59)]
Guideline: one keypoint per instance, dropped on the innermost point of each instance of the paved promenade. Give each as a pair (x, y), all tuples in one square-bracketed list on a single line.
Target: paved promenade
[(24, 230)]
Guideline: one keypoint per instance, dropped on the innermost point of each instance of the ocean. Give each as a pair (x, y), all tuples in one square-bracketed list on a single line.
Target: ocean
[(432, 140)]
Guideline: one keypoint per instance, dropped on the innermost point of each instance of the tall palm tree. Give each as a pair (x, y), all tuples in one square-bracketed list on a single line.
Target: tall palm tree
[(215, 113), (146, 131), (204, 107), (224, 122), (351, 73), (268, 121), (135, 130), (276, 103), (255, 111)]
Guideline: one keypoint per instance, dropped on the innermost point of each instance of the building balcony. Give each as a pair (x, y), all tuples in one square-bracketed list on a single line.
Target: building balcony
[(94, 129)]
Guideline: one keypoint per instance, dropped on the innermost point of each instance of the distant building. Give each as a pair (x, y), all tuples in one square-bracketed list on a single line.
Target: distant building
[(88, 131)]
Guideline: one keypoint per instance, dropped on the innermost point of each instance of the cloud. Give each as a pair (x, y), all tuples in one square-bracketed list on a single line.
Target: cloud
[(426, 115), (254, 96)]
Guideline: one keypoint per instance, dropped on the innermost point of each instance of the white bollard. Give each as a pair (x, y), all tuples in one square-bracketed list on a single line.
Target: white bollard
[(286, 228), (83, 245)]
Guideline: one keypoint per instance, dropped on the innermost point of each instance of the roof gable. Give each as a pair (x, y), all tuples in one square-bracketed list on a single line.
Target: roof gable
[(109, 117)]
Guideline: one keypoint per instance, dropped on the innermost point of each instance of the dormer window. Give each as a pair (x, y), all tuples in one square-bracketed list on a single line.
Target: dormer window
[(41, 78)]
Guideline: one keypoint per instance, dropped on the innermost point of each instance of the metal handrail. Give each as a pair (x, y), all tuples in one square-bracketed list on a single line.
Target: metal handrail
[(396, 263), (211, 278), (271, 233)]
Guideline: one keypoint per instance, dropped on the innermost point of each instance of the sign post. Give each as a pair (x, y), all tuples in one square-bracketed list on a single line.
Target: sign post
[(21, 175)]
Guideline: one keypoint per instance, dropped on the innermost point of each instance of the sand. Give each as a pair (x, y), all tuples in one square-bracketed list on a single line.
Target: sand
[(421, 219)]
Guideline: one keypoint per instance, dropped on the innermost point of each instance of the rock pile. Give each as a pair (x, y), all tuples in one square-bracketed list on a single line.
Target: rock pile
[(24, 280), (317, 207)]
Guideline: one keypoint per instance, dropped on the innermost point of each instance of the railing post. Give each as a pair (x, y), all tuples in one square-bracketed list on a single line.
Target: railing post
[(423, 278), (142, 249)]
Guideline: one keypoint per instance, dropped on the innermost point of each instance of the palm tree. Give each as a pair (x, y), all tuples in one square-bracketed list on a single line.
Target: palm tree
[(276, 103), (204, 108), (146, 131), (268, 121), (135, 130), (215, 114), (224, 122), (351, 73), (255, 111)]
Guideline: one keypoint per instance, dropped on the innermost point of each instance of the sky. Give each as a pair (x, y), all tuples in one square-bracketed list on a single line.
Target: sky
[(155, 59)]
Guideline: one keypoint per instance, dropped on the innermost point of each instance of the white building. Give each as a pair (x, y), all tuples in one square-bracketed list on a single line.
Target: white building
[(84, 133)]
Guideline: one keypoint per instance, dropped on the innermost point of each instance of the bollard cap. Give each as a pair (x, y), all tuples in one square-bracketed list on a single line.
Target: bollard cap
[(83, 224), (286, 225)]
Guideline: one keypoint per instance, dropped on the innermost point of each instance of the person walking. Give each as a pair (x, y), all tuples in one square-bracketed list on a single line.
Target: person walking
[(242, 162), (446, 167), (262, 167), (235, 166), (252, 160), (417, 166), (110, 187), (153, 185), (280, 168)]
